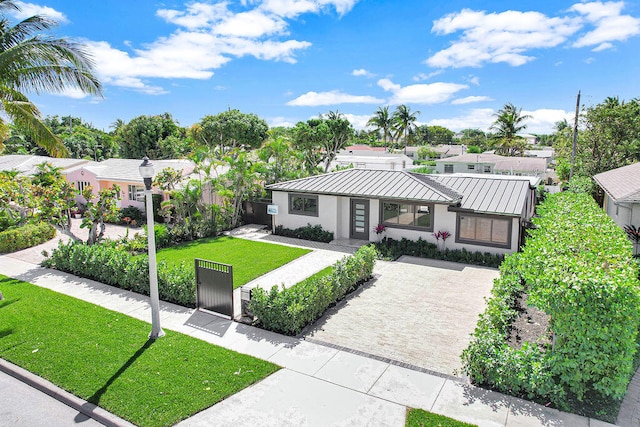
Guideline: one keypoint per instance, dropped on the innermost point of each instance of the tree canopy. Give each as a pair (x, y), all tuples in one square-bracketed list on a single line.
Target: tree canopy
[(509, 122), (158, 137), (230, 129)]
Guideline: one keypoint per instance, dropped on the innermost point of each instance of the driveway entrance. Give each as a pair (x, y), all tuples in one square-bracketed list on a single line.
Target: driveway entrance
[(416, 311)]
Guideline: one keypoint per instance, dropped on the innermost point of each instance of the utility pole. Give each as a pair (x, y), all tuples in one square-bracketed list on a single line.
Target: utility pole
[(575, 137)]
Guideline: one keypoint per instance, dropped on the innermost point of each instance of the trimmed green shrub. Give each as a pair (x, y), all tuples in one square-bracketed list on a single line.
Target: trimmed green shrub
[(289, 310), (107, 264), (393, 249), (577, 267), (27, 236), (308, 232)]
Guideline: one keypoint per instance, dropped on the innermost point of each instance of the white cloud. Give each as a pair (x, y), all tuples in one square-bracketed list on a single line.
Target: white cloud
[(474, 80), (281, 121), (470, 100), (510, 36), (334, 97), (29, 9), (361, 72), (542, 121), (610, 24), (423, 76), (293, 8), (432, 93)]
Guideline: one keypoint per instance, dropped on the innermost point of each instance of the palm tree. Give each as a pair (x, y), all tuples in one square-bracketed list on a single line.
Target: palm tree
[(32, 62), (381, 120), (404, 121), (509, 122)]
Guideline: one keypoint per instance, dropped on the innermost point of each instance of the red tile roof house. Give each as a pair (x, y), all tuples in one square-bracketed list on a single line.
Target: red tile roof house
[(621, 194), (483, 213), (124, 173)]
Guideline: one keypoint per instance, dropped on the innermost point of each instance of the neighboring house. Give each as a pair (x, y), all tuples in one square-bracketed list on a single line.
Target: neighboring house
[(370, 159), (482, 213), (124, 173), (493, 164), (27, 164), (443, 151), (621, 194), (547, 154)]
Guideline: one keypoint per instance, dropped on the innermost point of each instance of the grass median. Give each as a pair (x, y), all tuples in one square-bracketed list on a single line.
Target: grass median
[(105, 357)]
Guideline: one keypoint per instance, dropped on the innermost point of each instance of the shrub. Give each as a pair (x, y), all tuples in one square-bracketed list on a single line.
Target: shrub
[(16, 239), (131, 216), (107, 264), (578, 268), (308, 232), (289, 310), (393, 249)]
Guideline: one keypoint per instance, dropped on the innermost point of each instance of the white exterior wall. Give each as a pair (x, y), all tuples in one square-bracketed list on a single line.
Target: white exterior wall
[(463, 167), (327, 213), (622, 213)]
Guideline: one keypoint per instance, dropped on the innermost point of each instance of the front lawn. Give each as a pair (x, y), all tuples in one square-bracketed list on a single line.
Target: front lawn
[(422, 418), (105, 357), (250, 259)]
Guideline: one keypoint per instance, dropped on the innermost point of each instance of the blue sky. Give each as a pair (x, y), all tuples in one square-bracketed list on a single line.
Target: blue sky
[(457, 62)]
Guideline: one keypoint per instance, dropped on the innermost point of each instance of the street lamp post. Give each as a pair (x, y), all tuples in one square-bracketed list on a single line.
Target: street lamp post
[(146, 171)]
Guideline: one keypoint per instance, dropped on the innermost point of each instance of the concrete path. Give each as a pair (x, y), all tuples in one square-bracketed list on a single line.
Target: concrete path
[(319, 385), (416, 311)]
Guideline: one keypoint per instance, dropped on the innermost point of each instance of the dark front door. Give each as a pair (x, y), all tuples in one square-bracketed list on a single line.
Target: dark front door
[(359, 219)]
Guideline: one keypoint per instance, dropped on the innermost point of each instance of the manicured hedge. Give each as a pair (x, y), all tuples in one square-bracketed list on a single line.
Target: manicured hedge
[(107, 264), (393, 249), (577, 267), (308, 232), (289, 310), (16, 239)]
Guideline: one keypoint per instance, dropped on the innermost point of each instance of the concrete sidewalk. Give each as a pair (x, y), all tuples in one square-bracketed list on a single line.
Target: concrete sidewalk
[(320, 385)]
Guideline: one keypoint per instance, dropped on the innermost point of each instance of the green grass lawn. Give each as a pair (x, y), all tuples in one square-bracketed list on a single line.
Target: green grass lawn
[(105, 357), (250, 259), (422, 418)]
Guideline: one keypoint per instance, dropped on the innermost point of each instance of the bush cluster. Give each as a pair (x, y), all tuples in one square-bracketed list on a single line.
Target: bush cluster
[(577, 267), (16, 239), (393, 249), (308, 232), (289, 310), (107, 264)]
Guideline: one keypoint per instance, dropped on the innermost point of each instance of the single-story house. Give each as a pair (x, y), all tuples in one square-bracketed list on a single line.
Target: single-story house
[(124, 173), (443, 150), (493, 164), (370, 159), (621, 188), (27, 164), (481, 212)]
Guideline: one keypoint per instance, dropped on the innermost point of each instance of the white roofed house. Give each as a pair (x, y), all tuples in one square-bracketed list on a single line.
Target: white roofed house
[(487, 163), (27, 164), (483, 213), (369, 159), (621, 188)]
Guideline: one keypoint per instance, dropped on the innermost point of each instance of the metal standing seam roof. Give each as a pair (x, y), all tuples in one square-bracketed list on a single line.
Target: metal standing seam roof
[(382, 184), (487, 194), (622, 184)]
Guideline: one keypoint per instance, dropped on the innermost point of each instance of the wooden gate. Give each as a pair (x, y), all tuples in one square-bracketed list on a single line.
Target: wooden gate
[(214, 287)]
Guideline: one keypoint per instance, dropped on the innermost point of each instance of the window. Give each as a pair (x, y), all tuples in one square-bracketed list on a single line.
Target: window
[(487, 169), (448, 168), (136, 192), (484, 230), (407, 215), (471, 167), (303, 204), (81, 185)]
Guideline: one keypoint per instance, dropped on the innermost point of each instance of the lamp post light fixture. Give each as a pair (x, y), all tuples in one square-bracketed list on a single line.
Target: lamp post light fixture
[(146, 171)]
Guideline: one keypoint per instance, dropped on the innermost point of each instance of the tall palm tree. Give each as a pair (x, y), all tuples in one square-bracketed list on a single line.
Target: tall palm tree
[(509, 122), (381, 121), (404, 121), (31, 62)]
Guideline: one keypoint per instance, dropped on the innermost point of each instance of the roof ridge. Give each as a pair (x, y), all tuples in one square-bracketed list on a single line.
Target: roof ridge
[(438, 187)]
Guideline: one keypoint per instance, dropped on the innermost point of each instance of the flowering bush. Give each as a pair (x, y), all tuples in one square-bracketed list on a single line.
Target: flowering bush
[(444, 235), (379, 229)]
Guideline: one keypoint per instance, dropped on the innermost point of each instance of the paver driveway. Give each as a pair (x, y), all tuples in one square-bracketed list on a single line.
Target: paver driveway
[(417, 311)]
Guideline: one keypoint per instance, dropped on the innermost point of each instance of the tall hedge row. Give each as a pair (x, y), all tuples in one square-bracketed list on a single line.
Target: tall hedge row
[(289, 310), (16, 239), (577, 267), (115, 267)]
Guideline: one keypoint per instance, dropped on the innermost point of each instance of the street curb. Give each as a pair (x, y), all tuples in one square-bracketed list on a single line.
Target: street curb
[(80, 405)]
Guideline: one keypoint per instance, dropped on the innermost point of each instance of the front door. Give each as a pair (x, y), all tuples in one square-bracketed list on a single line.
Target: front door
[(359, 219)]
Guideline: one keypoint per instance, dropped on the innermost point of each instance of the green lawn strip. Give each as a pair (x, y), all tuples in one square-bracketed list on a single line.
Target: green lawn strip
[(422, 418), (250, 259), (320, 274), (105, 357)]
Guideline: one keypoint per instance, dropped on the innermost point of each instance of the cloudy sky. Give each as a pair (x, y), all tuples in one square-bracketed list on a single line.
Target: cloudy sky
[(457, 62)]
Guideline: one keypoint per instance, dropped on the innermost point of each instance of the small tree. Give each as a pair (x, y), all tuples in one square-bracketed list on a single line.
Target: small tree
[(98, 210)]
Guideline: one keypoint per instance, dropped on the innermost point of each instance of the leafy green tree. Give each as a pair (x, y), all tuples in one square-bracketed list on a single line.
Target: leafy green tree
[(280, 161), (150, 136), (404, 122), (308, 138), (238, 184), (16, 202), (474, 137), (229, 130), (31, 62), (426, 152), (509, 122), (340, 133), (433, 135), (54, 196), (382, 121), (99, 209)]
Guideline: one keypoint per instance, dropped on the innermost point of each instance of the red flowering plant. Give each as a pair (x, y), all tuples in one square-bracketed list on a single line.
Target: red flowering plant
[(379, 229)]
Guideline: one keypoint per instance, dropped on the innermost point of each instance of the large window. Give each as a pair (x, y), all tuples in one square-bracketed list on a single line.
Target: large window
[(484, 230), (407, 215), (300, 204), (448, 168), (136, 192)]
